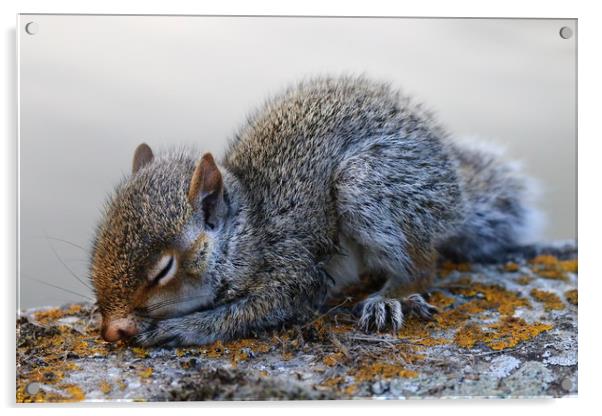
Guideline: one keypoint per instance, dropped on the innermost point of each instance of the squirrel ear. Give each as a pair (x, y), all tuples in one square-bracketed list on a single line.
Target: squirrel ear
[(142, 157), (206, 192)]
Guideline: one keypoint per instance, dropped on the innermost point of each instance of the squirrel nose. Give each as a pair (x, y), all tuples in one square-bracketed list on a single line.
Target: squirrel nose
[(119, 329)]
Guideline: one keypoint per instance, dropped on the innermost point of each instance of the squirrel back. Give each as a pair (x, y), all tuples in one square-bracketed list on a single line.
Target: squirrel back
[(291, 153)]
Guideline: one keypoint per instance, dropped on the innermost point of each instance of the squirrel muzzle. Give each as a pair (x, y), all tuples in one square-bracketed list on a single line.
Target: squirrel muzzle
[(119, 329)]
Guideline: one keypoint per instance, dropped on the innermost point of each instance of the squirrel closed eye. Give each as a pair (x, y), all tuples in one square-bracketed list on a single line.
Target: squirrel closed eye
[(163, 271)]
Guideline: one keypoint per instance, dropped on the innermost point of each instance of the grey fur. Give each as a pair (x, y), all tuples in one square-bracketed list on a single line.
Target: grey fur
[(327, 161)]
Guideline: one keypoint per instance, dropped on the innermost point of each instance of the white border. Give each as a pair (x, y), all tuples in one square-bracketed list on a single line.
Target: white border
[(18, 205), (589, 210)]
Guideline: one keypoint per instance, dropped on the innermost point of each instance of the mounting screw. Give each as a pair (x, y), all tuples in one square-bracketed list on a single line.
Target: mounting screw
[(31, 28), (566, 384), (32, 388), (566, 32)]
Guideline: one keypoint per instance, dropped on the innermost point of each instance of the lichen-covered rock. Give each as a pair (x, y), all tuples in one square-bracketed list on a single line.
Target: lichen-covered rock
[(503, 330)]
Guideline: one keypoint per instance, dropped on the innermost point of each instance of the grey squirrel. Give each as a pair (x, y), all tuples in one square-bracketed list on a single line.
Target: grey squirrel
[(333, 178)]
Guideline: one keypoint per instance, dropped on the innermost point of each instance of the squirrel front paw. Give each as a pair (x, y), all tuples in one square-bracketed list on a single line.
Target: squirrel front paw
[(416, 305), (154, 333), (170, 333)]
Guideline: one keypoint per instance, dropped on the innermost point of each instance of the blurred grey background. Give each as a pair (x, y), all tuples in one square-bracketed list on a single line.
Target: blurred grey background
[(93, 87)]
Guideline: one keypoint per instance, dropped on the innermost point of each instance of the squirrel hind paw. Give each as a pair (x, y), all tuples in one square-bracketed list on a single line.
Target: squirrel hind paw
[(416, 305), (378, 313)]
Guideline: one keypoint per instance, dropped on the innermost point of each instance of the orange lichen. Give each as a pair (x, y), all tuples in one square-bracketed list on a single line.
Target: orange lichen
[(324, 328), (418, 332), (333, 359), (440, 300), (490, 298), (49, 314), (146, 373), (413, 328), (238, 350), (552, 274), (545, 260), (105, 387), (182, 352), (22, 396), (523, 280), (140, 352), (341, 328), (507, 333), (54, 314), (571, 296), (511, 267), (333, 381), (550, 300), (550, 267), (494, 296), (51, 374), (510, 331), (476, 306), (468, 336), (407, 353), (552, 262), (238, 356), (338, 383), (381, 370), (255, 345), (76, 394), (449, 267), (570, 266), (465, 280), (431, 342), (450, 319), (215, 350), (351, 389)]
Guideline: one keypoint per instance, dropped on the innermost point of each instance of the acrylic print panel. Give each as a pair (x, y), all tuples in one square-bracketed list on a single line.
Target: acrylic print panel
[(253, 273)]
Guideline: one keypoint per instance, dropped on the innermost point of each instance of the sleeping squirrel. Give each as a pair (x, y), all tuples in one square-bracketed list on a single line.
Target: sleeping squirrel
[(332, 179)]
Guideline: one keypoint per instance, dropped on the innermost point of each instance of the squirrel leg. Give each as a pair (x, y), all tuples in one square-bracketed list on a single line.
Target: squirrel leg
[(412, 302), (399, 298), (237, 319)]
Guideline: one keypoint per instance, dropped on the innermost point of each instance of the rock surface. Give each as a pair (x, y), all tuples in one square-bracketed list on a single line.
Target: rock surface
[(504, 330)]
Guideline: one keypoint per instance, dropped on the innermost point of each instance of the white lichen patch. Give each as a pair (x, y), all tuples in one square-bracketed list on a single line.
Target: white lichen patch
[(503, 365)]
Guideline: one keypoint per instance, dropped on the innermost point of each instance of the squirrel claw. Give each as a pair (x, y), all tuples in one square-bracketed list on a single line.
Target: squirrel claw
[(378, 312)]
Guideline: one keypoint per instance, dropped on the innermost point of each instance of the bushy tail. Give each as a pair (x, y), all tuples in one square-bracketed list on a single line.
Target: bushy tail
[(500, 213)]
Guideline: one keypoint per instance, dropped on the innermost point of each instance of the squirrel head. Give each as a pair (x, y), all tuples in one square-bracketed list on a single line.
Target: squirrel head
[(153, 248)]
